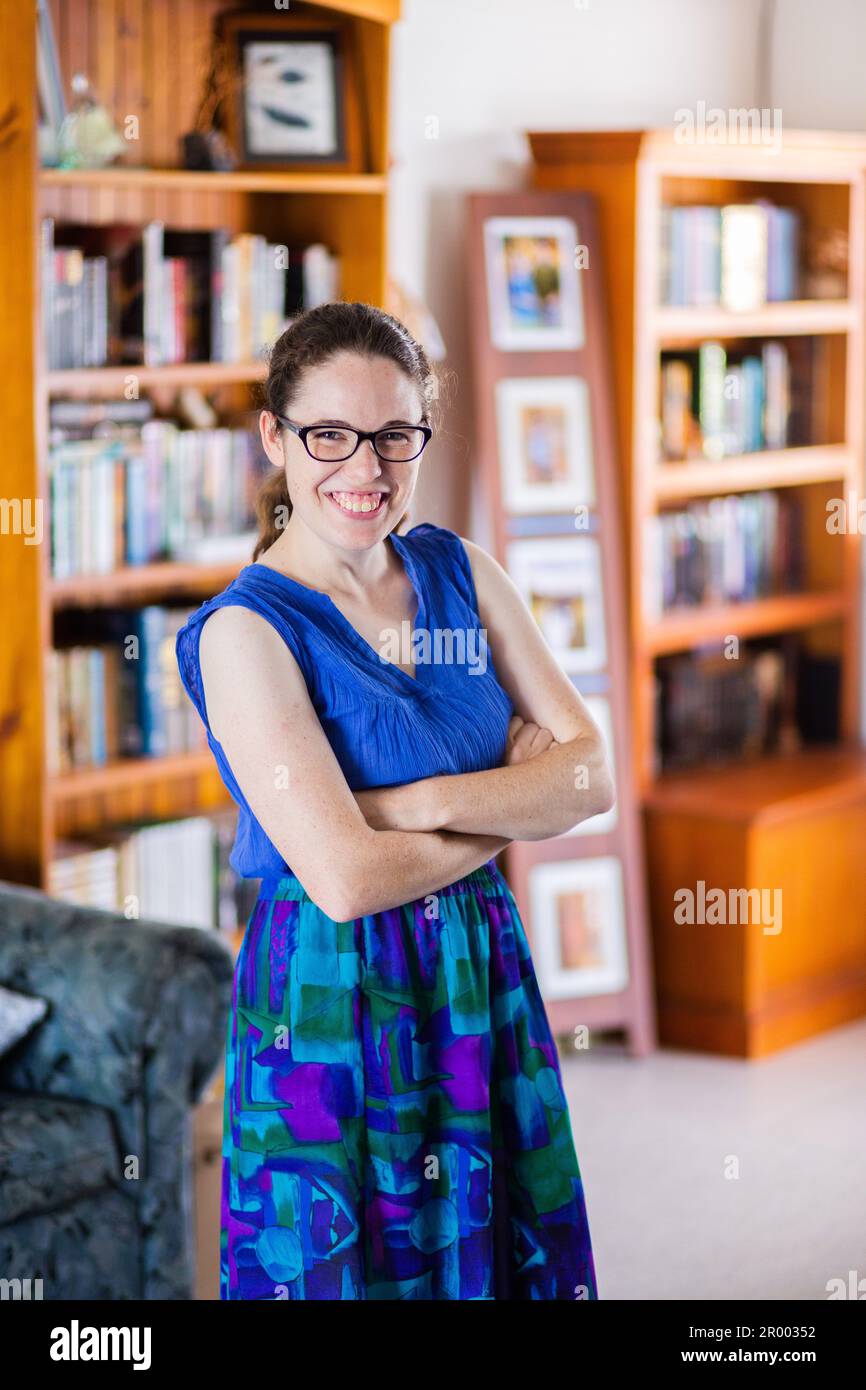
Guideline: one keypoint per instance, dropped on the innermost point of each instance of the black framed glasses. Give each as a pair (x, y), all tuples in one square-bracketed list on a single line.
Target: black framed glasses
[(336, 443)]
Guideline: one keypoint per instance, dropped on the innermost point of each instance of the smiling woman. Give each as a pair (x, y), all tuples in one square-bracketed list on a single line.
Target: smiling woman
[(395, 1124)]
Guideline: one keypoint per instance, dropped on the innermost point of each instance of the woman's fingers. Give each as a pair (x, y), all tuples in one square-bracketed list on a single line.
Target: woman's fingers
[(526, 740), (541, 741)]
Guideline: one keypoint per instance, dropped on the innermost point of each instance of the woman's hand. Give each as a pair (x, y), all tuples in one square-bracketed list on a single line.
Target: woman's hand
[(526, 740), (396, 808)]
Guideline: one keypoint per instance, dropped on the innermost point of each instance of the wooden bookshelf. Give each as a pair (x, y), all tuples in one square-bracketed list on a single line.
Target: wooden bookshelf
[(147, 58), (633, 174), (718, 991)]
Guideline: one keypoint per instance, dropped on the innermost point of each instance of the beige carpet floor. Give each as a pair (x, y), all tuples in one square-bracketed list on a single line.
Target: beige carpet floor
[(659, 1140)]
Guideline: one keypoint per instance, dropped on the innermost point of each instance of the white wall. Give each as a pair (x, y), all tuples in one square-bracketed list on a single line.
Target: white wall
[(491, 69), (816, 73)]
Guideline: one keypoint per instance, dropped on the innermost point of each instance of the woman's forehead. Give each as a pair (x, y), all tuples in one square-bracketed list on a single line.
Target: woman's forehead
[(349, 386)]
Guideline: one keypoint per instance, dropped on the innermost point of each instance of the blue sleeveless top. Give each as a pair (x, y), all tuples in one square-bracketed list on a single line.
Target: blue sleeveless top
[(385, 726)]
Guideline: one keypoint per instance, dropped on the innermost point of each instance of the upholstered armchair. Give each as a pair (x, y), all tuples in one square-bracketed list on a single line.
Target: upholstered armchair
[(96, 1101)]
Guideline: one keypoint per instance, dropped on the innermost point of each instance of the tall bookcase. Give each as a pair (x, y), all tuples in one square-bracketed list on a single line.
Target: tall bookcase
[(146, 58), (737, 990)]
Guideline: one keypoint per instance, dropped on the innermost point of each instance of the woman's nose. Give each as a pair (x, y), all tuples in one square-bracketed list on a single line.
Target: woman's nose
[(364, 463)]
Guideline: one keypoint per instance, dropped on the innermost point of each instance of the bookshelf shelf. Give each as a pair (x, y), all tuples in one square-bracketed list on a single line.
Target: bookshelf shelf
[(141, 584), (128, 773), (97, 381), (674, 326), (679, 632), (120, 177), (750, 472), (768, 790)]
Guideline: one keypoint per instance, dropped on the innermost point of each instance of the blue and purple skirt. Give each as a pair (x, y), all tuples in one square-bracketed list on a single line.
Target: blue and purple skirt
[(395, 1121)]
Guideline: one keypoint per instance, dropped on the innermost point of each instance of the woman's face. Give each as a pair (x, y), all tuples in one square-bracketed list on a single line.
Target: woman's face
[(354, 503)]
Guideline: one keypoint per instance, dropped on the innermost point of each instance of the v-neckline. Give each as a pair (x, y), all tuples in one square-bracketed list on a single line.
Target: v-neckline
[(411, 572)]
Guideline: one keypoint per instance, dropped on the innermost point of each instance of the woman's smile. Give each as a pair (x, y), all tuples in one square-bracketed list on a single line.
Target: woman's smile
[(359, 505)]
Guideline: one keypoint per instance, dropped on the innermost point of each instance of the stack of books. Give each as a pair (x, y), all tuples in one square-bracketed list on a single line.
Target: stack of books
[(725, 550), (159, 492), (739, 256), (120, 697), (157, 296), (716, 403), (710, 708), (176, 871)]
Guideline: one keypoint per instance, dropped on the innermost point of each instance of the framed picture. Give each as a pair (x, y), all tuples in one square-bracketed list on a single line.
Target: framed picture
[(533, 285), (560, 580), (578, 927), (292, 101), (545, 443), (599, 708)]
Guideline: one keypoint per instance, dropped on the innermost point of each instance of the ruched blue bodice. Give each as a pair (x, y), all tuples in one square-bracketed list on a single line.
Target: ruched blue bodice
[(385, 726)]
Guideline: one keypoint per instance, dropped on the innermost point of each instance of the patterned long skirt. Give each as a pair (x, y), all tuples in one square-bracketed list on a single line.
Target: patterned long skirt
[(395, 1122)]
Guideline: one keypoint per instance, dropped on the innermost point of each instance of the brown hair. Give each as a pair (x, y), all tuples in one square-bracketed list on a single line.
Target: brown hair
[(312, 338)]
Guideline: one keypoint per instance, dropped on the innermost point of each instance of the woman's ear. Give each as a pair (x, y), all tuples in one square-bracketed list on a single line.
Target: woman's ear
[(272, 438)]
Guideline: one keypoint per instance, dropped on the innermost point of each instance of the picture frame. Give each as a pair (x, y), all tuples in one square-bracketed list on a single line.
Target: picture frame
[(560, 579), (545, 444), (579, 927), (534, 294), (293, 101), (603, 824)]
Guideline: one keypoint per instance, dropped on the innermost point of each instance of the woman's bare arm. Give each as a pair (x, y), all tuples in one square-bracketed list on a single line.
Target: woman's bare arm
[(540, 796), (260, 712)]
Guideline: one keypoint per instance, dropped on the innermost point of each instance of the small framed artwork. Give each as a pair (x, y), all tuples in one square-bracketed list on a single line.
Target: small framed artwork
[(533, 284), (545, 443), (577, 909), (560, 580), (599, 708), (292, 101)]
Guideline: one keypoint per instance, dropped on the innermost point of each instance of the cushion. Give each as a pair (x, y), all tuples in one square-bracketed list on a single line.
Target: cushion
[(52, 1152), (18, 1014)]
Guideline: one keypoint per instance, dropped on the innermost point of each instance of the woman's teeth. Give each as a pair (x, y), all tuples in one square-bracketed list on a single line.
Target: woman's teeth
[(358, 501)]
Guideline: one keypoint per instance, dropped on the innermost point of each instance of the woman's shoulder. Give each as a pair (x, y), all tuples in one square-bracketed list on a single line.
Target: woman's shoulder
[(449, 554), (248, 613)]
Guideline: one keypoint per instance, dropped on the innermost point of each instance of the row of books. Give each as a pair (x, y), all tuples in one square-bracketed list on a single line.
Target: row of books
[(153, 296), (725, 550), (163, 493), (710, 709), (176, 871), (715, 404), (120, 696), (739, 256)]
